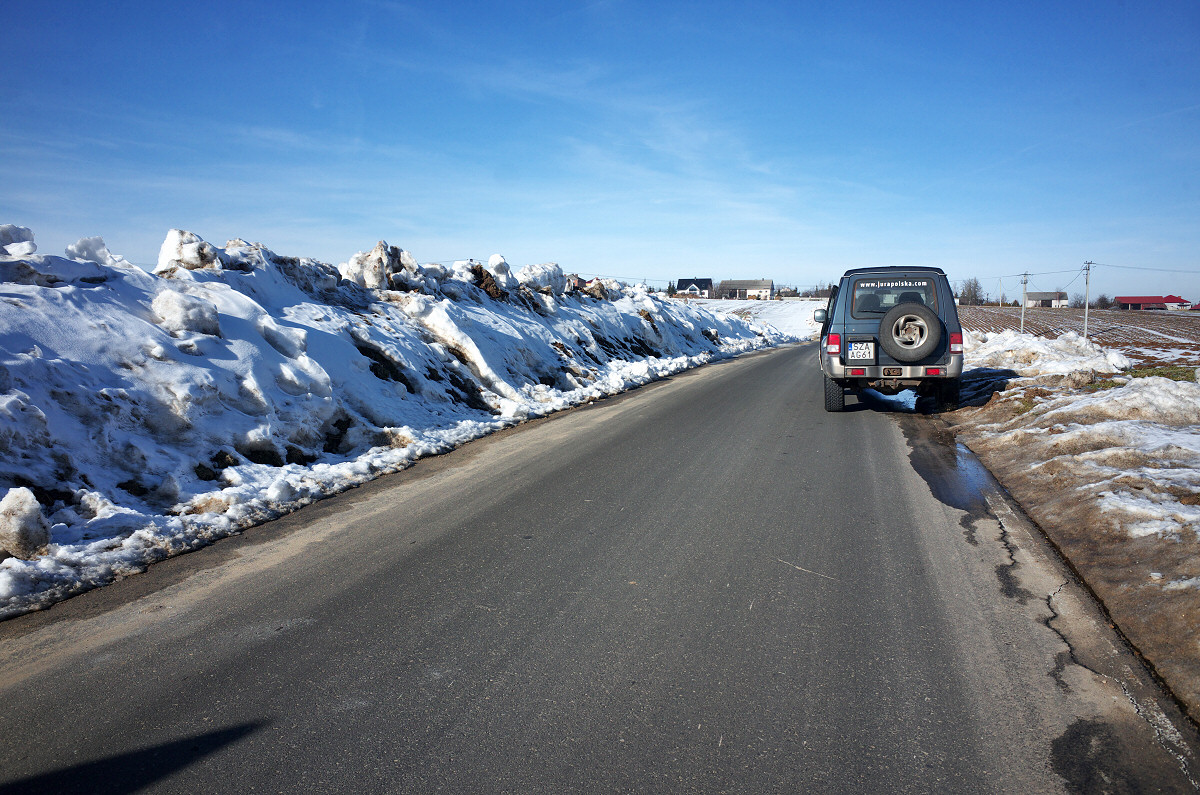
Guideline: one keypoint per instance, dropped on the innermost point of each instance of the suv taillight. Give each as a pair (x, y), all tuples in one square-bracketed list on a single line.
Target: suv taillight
[(833, 344), (956, 344)]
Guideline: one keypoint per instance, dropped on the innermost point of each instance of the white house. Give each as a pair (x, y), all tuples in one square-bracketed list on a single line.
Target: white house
[(762, 289), (1055, 300), (694, 288)]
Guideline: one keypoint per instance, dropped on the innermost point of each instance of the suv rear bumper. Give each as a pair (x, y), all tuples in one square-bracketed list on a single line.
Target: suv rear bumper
[(913, 374)]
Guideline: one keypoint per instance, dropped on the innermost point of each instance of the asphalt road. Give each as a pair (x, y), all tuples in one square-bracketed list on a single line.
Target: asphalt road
[(707, 585)]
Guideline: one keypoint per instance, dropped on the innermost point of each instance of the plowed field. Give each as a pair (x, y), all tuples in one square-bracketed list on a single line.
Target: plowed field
[(1148, 338)]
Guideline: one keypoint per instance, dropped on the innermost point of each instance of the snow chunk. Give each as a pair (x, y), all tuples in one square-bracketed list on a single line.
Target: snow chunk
[(179, 313), (544, 278), (502, 273), (92, 249), (23, 529), (183, 249), (383, 268), (16, 241)]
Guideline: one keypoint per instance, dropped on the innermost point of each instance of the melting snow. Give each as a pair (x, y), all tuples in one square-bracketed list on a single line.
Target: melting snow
[(1133, 451), (146, 414)]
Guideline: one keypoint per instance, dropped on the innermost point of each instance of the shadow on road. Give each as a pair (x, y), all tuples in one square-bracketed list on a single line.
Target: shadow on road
[(978, 385), (131, 771)]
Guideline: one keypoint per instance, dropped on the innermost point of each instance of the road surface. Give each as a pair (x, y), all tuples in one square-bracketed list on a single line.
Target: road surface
[(706, 585)]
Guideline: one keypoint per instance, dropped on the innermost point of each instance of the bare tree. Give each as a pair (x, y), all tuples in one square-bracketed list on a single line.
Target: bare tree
[(1102, 302), (971, 292), (1077, 301)]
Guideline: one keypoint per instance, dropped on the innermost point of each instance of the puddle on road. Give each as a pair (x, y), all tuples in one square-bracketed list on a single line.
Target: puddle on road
[(954, 475)]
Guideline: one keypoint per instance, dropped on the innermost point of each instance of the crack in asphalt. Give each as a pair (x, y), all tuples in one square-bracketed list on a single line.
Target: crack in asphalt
[(1063, 658), (1165, 733), (1006, 572)]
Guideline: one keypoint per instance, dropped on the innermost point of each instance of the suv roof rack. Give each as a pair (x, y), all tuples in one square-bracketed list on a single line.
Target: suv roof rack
[(896, 269)]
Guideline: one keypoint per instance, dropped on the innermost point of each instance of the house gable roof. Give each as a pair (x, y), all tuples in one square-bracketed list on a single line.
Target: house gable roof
[(748, 284), (1149, 299)]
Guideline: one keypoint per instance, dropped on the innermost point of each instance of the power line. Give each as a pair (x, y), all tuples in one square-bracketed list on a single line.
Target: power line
[(1143, 268), (1031, 273)]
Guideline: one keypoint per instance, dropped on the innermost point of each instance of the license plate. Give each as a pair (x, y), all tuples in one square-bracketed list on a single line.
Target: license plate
[(861, 352)]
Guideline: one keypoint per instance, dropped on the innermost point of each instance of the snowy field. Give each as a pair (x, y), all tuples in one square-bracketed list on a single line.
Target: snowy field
[(1156, 337), (146, 414), (793, 318)]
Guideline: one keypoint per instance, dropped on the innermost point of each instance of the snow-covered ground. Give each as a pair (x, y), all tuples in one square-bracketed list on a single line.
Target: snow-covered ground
[(790, 317), (1136, 444), (146, 414)]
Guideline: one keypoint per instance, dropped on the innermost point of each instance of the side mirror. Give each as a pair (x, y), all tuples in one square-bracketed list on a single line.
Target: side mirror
[(820, 316)]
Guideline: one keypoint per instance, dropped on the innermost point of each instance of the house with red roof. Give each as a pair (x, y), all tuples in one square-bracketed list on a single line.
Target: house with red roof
[(1151, 302)]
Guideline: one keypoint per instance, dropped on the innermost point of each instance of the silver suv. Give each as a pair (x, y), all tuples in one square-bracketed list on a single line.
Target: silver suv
[(891, 329)]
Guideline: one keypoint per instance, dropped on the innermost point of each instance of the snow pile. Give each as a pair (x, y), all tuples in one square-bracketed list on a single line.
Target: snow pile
[(1028, 355), (146, 414)]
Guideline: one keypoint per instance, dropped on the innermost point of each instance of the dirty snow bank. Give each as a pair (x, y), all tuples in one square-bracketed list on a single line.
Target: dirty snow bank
[(1112, 473), (146, 414), (1029, 355)]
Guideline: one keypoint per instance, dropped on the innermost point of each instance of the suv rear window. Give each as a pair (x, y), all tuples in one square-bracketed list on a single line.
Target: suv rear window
[(874, 296)]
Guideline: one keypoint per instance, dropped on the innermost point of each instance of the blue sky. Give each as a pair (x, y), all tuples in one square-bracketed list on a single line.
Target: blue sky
[(634, 139)]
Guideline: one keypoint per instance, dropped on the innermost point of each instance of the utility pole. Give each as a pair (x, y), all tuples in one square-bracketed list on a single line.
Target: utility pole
[(1087, 292), (1024, 281), (1001, 301)]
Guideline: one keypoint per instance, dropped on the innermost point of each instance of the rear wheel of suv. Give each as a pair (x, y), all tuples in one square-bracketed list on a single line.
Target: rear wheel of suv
[(909, 332), (835, 395)]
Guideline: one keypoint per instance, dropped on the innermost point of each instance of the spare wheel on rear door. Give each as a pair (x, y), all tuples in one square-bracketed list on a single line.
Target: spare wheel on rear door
[(909, 332)]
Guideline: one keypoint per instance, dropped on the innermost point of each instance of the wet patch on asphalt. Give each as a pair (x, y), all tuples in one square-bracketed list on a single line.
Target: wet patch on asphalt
[(1089, 757), (953, 474)]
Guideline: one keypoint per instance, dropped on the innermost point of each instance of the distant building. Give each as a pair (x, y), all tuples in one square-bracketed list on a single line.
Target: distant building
[(762, 289), (694, 288), (1147, 302), (1055, 300)]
